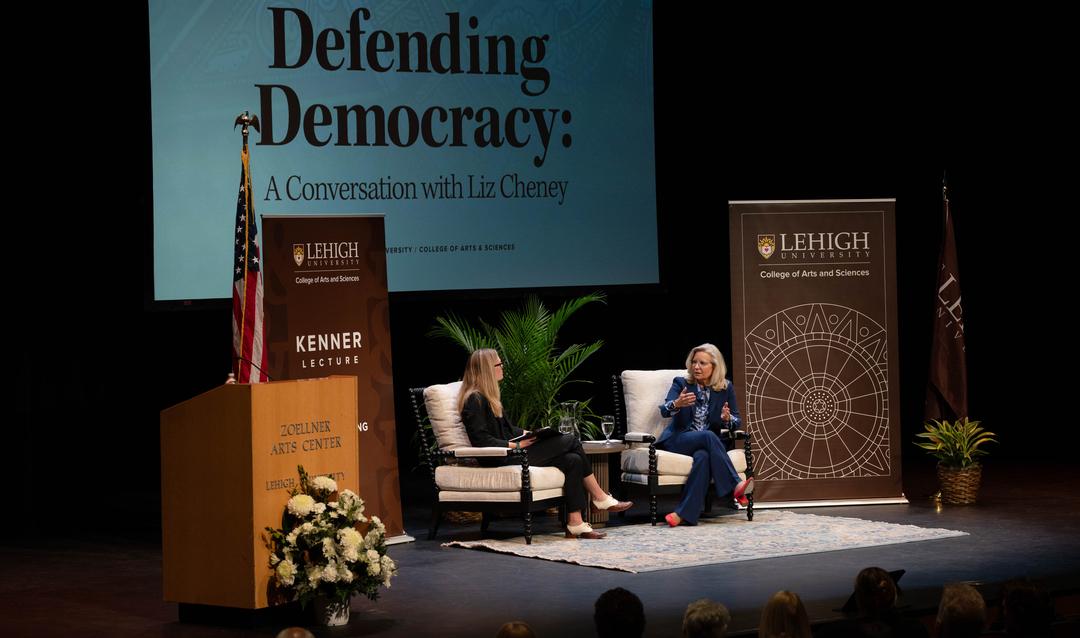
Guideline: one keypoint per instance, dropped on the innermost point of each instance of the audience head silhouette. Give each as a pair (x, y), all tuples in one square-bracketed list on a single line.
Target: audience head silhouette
[(619, 614), (705, 619), (875, 592), (1026, 611), (515, 629), (784, 617), (962, 612)]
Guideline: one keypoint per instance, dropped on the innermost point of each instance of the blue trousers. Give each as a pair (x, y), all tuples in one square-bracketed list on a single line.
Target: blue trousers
[(711, 461)]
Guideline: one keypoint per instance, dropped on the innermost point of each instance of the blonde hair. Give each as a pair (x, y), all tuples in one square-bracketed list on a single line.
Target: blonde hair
[(480, 377), (718, 380), (784, 617)]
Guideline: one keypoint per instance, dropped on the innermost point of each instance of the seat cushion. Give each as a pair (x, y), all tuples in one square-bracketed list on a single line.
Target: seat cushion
[(643, 392), (663, 479), (738, 459), (506, 478), (441, 403), (448, 496), (636, 461)]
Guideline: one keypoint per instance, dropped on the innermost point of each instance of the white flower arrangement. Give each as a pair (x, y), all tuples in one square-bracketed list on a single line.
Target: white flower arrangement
[(327, 547)]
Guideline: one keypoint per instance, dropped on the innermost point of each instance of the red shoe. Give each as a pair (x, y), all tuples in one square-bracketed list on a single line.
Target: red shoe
[(746, 486), (673, 519), (742, 500)]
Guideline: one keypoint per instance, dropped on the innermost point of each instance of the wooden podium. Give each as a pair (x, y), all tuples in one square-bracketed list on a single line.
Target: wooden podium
[(228, 461)]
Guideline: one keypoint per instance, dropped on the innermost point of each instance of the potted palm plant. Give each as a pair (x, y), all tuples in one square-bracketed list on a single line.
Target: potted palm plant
[(537, 370), (956, 445)]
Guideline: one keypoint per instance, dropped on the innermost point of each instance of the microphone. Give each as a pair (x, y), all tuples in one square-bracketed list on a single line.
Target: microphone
[(238, 358)]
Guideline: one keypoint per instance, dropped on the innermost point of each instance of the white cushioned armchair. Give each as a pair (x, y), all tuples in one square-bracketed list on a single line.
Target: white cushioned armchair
[(460, 484), (659, 471)]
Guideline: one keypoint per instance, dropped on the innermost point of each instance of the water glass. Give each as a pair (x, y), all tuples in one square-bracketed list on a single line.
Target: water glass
[(607, 426)]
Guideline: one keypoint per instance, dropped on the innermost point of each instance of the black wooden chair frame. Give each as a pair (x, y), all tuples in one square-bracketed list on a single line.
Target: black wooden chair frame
[(433, 457), (654, 488)]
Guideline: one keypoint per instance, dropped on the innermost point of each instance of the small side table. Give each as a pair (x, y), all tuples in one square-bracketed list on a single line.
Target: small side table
[(598, 452)]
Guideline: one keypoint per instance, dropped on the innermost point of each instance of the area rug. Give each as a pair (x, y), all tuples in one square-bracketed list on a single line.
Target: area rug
[(644, 548)]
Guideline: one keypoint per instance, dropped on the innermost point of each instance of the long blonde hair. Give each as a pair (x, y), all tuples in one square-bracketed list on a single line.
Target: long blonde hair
[(784, 617), (479, 377), (718, 380)]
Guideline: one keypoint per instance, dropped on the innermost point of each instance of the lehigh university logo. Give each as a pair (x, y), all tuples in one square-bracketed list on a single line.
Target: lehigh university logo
[(298, 254), (766, 245)]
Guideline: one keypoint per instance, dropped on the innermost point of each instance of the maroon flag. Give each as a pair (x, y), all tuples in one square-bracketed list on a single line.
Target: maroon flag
[(946, 389), (247, 286)]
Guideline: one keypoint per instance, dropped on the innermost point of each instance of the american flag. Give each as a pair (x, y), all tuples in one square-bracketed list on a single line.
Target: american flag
[(247, 286)]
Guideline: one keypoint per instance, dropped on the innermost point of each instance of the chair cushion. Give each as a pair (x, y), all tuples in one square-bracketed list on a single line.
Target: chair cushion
[(738, 459), (644, 391), (663, 479), (441, 402), (448, 496), (636, 461), (506, 478)]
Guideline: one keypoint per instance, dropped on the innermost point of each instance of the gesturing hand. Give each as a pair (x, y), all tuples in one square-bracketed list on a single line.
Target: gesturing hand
[(686, 398)]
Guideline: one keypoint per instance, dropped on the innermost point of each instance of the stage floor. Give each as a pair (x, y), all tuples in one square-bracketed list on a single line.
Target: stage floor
[(1026, 524)]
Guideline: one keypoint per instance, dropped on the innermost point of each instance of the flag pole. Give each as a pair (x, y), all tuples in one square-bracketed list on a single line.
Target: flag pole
[(244, 121), (947, 380)]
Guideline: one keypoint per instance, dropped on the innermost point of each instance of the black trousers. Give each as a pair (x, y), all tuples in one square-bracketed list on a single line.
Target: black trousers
[(564, 452)]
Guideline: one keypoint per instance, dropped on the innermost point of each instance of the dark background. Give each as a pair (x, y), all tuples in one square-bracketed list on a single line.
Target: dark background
[(774, 107)]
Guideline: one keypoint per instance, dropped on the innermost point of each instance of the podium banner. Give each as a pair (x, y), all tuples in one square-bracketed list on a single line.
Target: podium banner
[(815, 346), (327, 313)]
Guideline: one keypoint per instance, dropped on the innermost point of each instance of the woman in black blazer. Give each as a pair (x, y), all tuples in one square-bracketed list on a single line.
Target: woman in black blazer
[(481, 411)]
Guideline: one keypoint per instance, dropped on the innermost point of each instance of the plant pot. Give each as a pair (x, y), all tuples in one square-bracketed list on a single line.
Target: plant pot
[(331, 612), (462, 518), (959, 486)]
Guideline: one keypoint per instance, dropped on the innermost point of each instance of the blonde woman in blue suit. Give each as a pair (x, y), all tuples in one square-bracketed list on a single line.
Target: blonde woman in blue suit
[(702, 404)]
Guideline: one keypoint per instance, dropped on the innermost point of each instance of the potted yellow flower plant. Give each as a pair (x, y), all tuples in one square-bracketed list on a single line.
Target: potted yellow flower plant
[(957, 445)]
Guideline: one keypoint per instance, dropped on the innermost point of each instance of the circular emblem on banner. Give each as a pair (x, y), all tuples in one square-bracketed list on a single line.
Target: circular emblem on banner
[(817, 394)]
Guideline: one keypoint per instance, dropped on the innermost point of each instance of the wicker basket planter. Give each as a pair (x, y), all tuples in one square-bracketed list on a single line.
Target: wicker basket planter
[(462, 518), (959, 486)]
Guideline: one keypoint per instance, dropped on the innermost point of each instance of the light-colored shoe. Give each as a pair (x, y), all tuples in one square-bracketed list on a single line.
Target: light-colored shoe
[(583, 531), (612, 505)]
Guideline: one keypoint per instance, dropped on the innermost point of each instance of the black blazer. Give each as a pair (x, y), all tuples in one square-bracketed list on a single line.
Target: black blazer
[(483, 427)]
